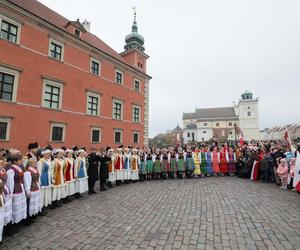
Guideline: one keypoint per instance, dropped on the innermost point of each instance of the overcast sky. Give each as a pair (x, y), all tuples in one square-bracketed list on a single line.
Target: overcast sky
[(204, 53)]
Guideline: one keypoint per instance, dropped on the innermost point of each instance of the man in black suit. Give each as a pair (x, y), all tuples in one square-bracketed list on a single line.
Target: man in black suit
[(103, 175), (93, 160)]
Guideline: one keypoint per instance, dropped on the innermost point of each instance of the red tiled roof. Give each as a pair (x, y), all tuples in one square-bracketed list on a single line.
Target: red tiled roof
[(47, 14)]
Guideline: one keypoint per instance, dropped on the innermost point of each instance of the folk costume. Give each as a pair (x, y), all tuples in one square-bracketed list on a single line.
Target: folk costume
[(69, 172), (32, 189), (157, 164), (231, 162), (282, 172), (7, 196), (209, 168), (127, 165), (189, 163), (165, 164), (223, 161), (173, 163), (181, 164), (149, 166), (135, 162), (203, 163), (45, 170), (81, 184), (119, 166), (215, 162), (15, 175), (196, 159), (111, 168), (58, 182), (143, 164)]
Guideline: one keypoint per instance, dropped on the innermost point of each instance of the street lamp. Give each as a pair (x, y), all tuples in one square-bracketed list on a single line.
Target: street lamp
[(235, 128)]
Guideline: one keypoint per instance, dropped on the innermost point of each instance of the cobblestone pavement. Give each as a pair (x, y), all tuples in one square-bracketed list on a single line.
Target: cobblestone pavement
[(210, 213)]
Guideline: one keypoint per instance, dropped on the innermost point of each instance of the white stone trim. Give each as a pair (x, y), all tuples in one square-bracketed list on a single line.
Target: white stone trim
[(122, 108), (146, 114), (54, 84), (121, 137), (9, 20), (139, 108), (122, 79), (138, 133), (92, 59), (92, 94), (15, 73), (57, 124), (8, 121), (52, 40), (100, 134)]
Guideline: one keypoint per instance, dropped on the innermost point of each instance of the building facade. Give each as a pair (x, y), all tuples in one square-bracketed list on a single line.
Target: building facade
[(278, 132), (225, 123), (62, 85)]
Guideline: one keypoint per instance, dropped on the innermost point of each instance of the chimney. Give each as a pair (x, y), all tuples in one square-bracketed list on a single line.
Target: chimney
[(86, 25)]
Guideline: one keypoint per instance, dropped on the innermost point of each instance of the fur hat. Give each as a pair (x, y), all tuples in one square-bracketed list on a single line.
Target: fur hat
[(33, 145)]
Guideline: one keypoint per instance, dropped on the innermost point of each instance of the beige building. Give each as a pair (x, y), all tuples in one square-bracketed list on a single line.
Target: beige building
[(223, 123)]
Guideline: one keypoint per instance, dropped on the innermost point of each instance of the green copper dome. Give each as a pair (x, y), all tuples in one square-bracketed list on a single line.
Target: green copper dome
[(247, 95), (134, 39)]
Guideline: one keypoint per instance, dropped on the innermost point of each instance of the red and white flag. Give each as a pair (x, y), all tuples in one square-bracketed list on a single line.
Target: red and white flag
[(287, 136), (241, 138)]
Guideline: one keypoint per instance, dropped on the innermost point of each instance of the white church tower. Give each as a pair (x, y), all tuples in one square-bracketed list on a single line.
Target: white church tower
[(247, 110)]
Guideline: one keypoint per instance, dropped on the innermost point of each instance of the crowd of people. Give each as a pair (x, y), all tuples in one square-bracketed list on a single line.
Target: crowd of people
[(47, 178)]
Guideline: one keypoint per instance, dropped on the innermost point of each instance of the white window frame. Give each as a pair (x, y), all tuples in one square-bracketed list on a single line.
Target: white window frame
[(121, 131), (57, 125), (62, 49), (122, 80), (19, 25), (96, 61), (138, 133), (136, 80), (8, 121), (54, 84), (122, 108), (88, 94), (15, 73), (138, 107), (100, 134)]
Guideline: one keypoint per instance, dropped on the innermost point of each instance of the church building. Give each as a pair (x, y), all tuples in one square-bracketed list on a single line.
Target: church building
[(224, 123)]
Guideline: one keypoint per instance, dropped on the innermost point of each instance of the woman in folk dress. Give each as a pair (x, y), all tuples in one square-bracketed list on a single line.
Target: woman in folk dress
[(173, 162), (15, 175), (69, 174), (135, 162), (215, 161), (180, 163), (149, 166), (209, 168), (231, 162), (81, 185), (32, 189), (44, 168), (127, 165), (111, 168), (7, 196), (58, 184), (196, 153), (142, 166)]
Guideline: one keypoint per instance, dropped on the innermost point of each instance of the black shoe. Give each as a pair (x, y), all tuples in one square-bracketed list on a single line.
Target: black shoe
[(102, 189), (90, 193), (94, 192)]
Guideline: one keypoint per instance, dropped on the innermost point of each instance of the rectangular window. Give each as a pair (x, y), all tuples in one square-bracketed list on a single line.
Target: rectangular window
[(4, 129), (77, 32), (136, 114), (95, 67), (57, 132), (95, 135), (8, 83), (118, 136), (217, 124), (230, 123), (136, 138), (205, 124), (119, 77), (93, 101), (136, 85), (52, 96), (6, 86), (9, 31), (56, 50), (117, 110)]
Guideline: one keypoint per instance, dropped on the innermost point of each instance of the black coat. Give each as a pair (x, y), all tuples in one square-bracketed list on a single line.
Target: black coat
[(92, 171), (104, 160)]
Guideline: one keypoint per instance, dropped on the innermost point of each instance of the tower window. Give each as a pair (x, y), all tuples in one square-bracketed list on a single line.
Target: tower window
[(249, 113), (77, 32)]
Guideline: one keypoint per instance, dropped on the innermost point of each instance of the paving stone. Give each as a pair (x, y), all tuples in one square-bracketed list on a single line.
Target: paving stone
[(209, 213)]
